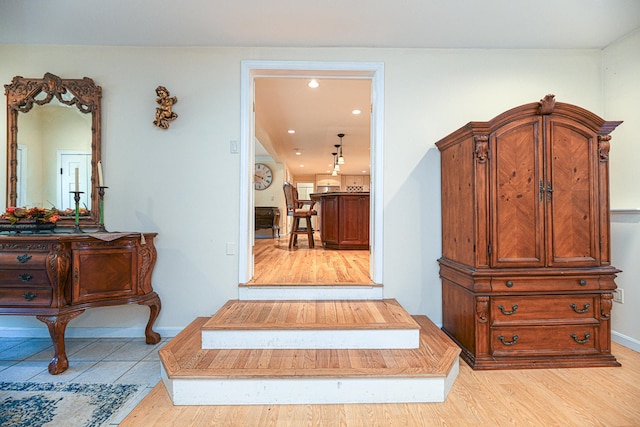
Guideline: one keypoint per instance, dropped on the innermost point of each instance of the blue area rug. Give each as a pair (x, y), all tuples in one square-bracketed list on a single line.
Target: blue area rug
[(62, 404)]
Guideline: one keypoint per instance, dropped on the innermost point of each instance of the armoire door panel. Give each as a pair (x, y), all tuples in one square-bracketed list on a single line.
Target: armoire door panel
[(572, 231), (516, 173)]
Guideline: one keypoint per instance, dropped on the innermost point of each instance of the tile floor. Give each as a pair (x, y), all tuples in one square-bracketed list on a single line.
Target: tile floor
[(100, 360)]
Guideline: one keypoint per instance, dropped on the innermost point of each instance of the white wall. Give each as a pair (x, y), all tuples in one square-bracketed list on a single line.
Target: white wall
[(622, 94), (180, 182)]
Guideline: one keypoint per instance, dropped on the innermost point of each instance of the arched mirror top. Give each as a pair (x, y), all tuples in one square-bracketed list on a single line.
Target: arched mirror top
[(25, 95)]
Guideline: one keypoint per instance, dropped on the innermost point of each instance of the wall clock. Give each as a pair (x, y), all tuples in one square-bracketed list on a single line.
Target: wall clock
[(263, 176)]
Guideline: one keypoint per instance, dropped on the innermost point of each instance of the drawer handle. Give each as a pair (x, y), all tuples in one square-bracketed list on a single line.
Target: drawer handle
[(509, 284), (514, 339), (508, 313), (23, 258), (579, 341), (29, 296), (25, 277), (578, 310), (583, 282)]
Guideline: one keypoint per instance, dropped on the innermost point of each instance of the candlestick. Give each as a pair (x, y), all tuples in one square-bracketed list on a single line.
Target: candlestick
[(77, 180), (100, 179), (76, 198), (101, 228)]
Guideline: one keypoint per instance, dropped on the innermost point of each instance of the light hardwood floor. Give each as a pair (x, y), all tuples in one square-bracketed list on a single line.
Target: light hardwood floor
[(537, 397), (275, 263)]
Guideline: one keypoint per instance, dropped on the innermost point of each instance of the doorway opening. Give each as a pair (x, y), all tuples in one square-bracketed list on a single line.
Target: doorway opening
[(294, 69)]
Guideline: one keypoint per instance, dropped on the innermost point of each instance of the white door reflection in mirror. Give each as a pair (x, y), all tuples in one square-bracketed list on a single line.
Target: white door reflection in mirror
[(68, 161), (21, 185)]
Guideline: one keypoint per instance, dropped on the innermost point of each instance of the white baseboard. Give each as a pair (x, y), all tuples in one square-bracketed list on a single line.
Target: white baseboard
[(87, 332), (625, 341)]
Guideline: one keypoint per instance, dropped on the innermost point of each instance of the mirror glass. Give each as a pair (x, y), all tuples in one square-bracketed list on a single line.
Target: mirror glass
[(53, 143)]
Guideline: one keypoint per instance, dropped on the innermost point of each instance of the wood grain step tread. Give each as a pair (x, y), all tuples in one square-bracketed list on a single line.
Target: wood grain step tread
[(319, 285), (311, 315), (183, 358)]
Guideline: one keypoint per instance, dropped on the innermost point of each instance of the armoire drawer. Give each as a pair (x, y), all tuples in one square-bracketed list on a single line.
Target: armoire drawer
[(23, 277), (544, 284), (556, 308), (544, 340), (31, 297)]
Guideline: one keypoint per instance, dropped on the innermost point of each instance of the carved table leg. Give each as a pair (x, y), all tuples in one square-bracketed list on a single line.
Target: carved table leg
[(154, 304), (57, 325)]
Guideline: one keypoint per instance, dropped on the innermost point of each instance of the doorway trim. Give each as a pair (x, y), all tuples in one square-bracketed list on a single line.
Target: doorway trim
[(250, 69)]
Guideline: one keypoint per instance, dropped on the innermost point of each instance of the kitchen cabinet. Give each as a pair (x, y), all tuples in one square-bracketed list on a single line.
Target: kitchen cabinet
[(344, 222)]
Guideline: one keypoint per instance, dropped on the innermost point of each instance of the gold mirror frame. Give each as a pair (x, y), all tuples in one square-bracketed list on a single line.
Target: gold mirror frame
[(21, 97)]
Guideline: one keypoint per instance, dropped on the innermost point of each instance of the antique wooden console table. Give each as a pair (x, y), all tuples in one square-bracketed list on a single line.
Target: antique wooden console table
[(57, 276)]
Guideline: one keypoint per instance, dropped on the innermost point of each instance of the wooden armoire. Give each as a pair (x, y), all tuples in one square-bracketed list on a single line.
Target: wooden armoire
[(526, 273)]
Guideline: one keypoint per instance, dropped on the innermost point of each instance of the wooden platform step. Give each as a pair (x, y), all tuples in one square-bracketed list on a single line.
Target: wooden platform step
[(297, 291), (195, 376), (311, 325)]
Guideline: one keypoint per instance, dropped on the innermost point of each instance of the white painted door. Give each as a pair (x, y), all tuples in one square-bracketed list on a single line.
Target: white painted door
[(68, 162)]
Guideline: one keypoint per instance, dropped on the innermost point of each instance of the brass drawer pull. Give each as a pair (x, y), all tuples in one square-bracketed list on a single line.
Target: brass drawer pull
[(578, 310), (514, 339), (579, 341), (508, 313), (25, 277), (583, 282), (509, 284), (23, 258), (29, 296)]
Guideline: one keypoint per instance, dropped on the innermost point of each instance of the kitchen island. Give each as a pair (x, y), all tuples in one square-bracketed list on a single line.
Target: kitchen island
[(344, 219)]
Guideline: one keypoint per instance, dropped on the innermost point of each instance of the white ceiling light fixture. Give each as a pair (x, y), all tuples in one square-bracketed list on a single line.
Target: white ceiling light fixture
[(291, 131), (313, 84), (297, 151), (356, 112), (339, 147)]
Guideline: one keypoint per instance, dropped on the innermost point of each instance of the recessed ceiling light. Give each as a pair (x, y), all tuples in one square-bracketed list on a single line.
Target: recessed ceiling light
[(313, 83), (356, 112), (301, 166), (291, 131), (298, 152)]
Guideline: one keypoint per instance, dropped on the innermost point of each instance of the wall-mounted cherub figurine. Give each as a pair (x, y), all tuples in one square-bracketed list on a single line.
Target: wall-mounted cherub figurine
[(163, 113)]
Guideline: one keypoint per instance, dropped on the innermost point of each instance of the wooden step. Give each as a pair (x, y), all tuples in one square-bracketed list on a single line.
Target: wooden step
[(310, 291), (196, 376), (311, 325)]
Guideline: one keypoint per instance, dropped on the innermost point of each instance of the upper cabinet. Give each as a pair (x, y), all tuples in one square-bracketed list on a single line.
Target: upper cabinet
[(528, 189)]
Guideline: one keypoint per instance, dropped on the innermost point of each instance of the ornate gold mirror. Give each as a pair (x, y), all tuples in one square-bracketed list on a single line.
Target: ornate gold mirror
[(54, 142)]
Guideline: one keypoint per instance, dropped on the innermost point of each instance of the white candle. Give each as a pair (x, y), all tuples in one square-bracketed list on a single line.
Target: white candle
[(77, 180), (100, 180)]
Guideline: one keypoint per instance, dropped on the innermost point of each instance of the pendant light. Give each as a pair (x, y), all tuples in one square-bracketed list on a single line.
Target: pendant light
[(336, 168), (340, 158)]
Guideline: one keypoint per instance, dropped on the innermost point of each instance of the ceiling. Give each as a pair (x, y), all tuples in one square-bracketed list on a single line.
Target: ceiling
[(319, 115), (447, 24)]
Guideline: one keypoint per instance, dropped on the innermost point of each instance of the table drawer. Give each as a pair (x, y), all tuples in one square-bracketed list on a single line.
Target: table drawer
[(544, 284), (558, 308), (544, 340), (23, 278), (31, 297), (25, 260)]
